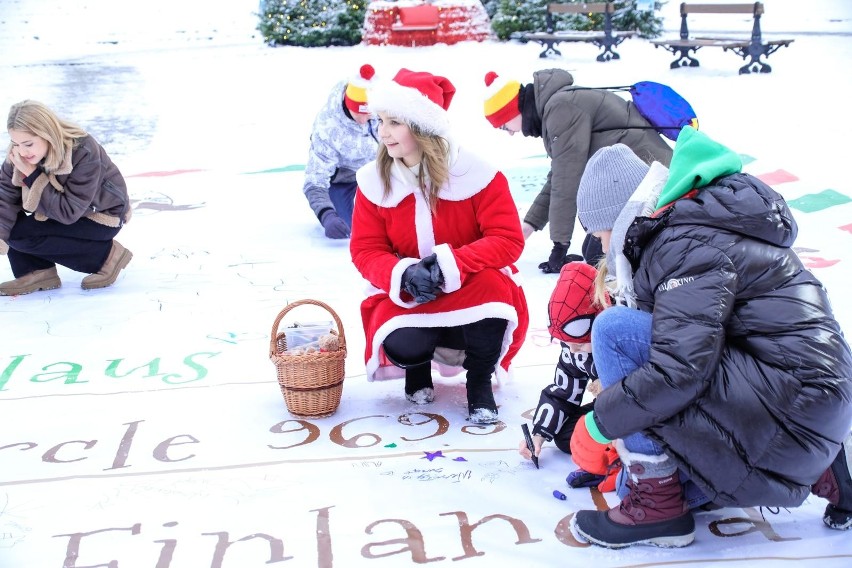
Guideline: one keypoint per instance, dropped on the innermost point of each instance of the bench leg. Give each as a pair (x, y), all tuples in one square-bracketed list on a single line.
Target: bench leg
[(683, 57), (753, 53), (756, 66), (549, 49), (608, 53)]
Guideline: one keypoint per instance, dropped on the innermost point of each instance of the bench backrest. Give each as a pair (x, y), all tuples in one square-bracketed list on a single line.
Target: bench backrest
[(605, 8), (755, 9), (580, 8)]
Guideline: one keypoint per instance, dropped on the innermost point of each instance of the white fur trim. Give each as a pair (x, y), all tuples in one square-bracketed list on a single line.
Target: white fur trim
[(445, 319), (469, 174), (423, 225), (449, 268), (655, 466), (409, 105)]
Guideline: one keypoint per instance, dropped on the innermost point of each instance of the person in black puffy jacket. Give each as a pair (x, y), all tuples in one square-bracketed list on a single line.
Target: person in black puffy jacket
[(733, 372)]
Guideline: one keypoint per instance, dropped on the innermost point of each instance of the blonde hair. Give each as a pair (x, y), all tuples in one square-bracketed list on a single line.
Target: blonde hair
[(434, 161), (37, 119), (602, 292)]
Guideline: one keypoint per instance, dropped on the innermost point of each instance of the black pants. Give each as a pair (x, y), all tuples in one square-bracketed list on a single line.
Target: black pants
[(481, 341), (35, 245)]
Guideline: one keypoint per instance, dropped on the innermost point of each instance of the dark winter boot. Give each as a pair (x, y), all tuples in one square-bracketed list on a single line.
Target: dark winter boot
[(483, 341), (480, 400), (835, 484), (418, 384), (654, 512)]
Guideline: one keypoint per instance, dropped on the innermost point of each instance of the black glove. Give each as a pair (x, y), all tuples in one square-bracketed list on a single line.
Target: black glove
[(559, 257), (335, 227), (424, 279)]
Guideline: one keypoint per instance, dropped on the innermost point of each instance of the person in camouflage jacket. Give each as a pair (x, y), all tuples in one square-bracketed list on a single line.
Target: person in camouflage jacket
[(342, 140)]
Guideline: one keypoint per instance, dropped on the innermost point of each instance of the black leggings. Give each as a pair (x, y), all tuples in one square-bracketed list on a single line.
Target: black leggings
[(481, 341)]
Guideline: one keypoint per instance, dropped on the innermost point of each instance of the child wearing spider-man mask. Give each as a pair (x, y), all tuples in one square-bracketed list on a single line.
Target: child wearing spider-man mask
[(571, 311)]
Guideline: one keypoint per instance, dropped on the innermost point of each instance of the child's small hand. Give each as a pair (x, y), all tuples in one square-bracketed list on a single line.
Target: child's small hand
[(537, 442)]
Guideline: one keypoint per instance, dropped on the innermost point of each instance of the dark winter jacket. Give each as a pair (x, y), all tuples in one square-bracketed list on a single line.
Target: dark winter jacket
[(569, 121), (749, 383), (86, 184), (559, 403)]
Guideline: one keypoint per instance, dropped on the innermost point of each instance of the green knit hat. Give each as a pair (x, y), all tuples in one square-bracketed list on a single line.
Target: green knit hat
[(697, 160)]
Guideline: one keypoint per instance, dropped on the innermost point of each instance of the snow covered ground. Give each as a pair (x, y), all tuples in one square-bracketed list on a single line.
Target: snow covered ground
[(143, 426)]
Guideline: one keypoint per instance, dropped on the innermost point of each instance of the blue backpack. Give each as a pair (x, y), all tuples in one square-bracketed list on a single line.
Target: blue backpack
[(662, 107)]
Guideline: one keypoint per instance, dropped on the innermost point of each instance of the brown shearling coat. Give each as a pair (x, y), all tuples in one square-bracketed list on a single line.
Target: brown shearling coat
[(87, 184)]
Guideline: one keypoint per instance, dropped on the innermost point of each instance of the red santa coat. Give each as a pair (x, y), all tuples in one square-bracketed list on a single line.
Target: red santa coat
[(476, 235)]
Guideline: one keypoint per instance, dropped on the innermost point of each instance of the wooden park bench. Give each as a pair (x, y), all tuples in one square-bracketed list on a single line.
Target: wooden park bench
[(606, 39), (754, 48)]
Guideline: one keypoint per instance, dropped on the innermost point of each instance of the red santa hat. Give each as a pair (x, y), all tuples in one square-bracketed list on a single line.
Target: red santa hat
[(355, 95), (501, 99), (572, 307), (417, 98)]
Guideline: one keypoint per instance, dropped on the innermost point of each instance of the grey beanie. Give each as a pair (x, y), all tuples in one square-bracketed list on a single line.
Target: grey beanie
[(611, 176)]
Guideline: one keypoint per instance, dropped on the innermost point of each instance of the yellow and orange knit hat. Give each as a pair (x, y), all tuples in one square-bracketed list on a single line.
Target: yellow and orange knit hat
[(501, 99), (355, 96)]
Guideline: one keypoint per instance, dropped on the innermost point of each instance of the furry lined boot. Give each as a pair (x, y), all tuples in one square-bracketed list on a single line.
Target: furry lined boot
[(653, 512), (835, 484)]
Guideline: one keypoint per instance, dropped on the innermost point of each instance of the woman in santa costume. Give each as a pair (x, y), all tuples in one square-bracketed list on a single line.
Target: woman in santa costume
[(435, 232)]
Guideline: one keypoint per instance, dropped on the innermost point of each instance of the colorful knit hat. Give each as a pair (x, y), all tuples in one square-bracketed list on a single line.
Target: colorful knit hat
[(355, 96), (572, 307), (415, 97), (501, 99)]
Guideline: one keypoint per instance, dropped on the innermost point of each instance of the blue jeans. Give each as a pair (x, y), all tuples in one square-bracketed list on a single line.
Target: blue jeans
[(621, 343), (342, 196)]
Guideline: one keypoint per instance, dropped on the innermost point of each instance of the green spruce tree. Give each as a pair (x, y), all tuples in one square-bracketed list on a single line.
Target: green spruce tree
[(312, 23), (513, 17)]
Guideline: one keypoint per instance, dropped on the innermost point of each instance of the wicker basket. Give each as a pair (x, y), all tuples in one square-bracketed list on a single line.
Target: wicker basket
[(311, 383)]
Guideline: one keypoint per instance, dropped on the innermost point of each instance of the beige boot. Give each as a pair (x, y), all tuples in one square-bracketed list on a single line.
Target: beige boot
[(118, 258), (45, 279)]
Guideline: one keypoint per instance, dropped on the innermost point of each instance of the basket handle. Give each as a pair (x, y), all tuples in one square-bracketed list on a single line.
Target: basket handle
[(273, 339)]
